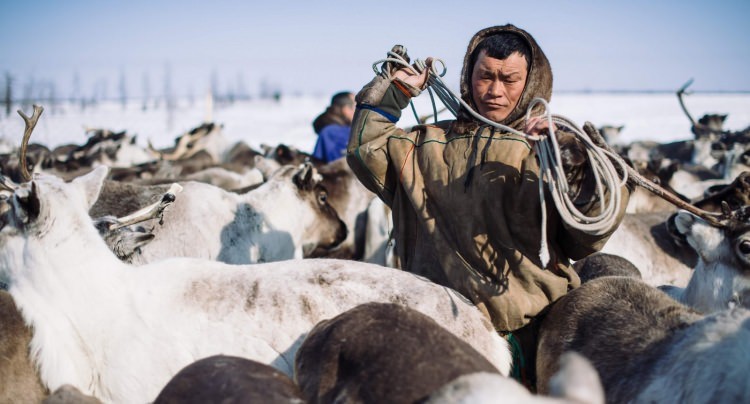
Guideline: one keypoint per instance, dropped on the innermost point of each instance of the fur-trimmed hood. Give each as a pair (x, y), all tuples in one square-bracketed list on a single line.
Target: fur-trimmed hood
[(538, 81)]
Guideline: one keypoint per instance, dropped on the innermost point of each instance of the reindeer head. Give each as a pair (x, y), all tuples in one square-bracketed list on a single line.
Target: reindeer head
[(713, 122), (729, 242), (43, 210), (329, 230), (611, 133), (722, 277), (30, 205)]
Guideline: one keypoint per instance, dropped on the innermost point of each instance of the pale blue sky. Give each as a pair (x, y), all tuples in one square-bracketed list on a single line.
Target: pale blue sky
[(325, 46)]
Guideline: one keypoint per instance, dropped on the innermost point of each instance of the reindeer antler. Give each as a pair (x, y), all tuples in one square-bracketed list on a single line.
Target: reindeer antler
[(737, 216), (30, 124), (680, 92)]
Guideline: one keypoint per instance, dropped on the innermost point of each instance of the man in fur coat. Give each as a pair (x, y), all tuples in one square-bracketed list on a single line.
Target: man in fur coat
[(464, 195)]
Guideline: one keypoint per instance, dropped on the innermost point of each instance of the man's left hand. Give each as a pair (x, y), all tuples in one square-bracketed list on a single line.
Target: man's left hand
[(537, 126)]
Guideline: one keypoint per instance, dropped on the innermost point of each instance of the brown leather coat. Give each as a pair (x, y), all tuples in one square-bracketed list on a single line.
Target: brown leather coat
[(465, 198)]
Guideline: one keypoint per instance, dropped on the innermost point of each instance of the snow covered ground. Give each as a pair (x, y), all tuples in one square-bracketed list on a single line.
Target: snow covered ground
[(645, 116)]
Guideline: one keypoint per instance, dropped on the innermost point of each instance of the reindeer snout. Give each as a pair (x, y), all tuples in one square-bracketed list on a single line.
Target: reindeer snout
[(341, 233)]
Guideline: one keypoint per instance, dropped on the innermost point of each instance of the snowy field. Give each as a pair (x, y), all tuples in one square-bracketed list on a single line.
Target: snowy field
[(645, 117)]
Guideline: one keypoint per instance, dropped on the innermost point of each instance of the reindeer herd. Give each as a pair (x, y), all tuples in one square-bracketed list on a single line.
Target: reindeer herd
[(211, 272)]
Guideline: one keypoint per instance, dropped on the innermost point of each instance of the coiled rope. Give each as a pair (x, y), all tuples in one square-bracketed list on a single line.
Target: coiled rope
[(608, 183)]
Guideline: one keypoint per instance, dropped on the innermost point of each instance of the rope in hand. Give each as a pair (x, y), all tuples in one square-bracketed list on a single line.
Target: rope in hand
[(608, 183)]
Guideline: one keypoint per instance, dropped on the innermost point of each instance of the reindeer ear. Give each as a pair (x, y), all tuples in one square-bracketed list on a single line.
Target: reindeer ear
[(303, 178), (91, 184)]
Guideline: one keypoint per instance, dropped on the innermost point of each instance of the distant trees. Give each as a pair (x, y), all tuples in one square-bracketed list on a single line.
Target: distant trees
[(8, 98), (145, 90), (86, 92), (169, 97), (123, 90)]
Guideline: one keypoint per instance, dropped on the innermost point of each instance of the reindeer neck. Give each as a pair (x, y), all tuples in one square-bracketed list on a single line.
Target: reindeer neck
[(281, 216), (66, 273), (68, 295), (277, 201), (711, 287)]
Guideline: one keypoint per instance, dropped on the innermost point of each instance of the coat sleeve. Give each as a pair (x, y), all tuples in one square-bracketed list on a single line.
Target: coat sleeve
[(379, 106)]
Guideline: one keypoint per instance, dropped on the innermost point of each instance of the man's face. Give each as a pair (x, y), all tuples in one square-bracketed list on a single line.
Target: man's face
[(497, 84), (348, 110)]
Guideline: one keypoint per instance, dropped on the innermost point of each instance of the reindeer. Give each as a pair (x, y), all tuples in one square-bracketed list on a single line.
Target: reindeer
[(122, 235), (206, 137), (381, 352), (722, 276), (345, 359), (287, 217), (644, 240), (652, 243), (229, 379), (611, 133), (637, 236), (120, 332), (350, 199), (115, 149), (647, 347)]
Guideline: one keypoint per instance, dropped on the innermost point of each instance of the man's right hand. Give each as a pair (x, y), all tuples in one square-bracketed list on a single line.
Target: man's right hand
[(416, 80)]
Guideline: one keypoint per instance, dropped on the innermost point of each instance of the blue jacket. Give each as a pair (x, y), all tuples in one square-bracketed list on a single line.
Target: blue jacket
[(332, 142)]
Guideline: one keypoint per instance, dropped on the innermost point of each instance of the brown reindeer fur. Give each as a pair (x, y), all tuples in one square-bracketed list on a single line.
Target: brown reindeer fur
[(120, 198), (229, 379), (619, 324), (381, 353), (736, 194), (350, 199), (601, 264), (19, 380)]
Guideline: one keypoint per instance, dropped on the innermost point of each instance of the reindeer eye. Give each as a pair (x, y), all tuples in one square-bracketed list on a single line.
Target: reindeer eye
[(744, 247), (322, 197)]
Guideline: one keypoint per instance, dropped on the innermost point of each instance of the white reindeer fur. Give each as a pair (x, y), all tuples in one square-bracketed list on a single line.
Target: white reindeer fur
[(633, 241), (575, 382), (719, 280), (120, 332), (708, 363), (269, 223)]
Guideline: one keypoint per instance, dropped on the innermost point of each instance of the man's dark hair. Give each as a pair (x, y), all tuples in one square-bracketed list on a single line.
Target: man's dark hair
[(342, 99), (502, 45)]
